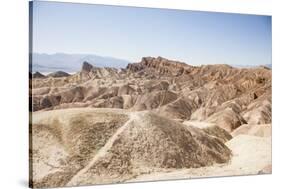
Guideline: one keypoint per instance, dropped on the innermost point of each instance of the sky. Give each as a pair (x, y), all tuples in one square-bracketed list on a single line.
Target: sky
[(130, 33)]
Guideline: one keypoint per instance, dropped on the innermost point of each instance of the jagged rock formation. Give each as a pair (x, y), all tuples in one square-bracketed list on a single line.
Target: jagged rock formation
[(219, 94), (86, 67), (161, 65)]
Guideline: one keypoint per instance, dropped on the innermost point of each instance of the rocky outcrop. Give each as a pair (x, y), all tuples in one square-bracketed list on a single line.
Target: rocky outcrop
[(38, 75), (161, 65), (86, 67), (58, 74), (218, 94)]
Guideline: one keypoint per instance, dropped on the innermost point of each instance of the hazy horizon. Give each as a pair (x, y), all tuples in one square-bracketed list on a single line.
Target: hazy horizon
[(130, 33), (72, 63)]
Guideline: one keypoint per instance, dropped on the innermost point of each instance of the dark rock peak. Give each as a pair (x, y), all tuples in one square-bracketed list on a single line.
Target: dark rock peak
[(59, 74), (87, 67), (38, 75)]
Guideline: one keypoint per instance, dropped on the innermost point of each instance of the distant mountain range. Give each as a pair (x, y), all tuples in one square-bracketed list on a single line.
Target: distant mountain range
[(42, 62), (252, 66), (47, 63)]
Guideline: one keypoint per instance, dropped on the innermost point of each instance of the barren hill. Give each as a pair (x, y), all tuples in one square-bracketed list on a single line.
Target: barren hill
[(91, 146)]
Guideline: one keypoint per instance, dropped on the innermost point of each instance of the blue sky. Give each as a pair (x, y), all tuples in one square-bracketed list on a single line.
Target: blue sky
[(131, 33)]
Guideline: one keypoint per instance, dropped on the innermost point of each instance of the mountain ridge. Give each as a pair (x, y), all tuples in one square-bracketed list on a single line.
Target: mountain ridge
[(215, 93)]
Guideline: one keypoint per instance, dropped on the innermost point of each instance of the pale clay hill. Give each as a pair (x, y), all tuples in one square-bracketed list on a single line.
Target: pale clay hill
[(156, 119)]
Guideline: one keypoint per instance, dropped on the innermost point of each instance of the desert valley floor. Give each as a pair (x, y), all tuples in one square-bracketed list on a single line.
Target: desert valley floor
[(154, 120)]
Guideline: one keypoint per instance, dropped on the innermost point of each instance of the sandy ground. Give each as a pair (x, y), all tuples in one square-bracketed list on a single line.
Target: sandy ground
[(251, 154)]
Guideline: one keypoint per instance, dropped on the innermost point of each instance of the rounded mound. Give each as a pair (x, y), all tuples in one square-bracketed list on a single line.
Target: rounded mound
[(109, 145), (148, 142)]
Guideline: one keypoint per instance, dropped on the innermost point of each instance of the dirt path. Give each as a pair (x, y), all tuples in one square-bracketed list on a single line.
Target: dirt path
[(102, 152)]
